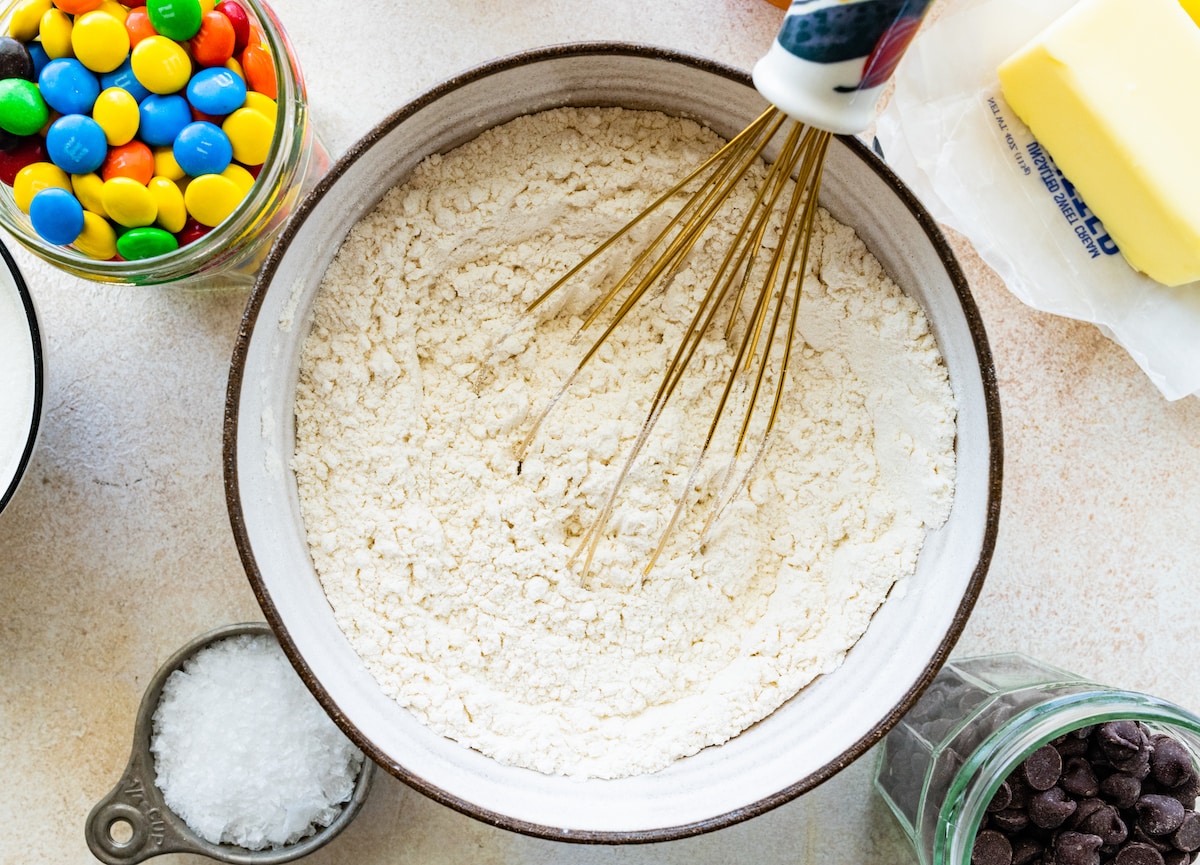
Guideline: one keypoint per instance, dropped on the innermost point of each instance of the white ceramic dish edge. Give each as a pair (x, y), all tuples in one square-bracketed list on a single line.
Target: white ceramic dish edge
[(29, 345)]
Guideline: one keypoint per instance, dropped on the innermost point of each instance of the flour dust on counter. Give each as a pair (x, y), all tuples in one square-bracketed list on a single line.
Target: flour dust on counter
[(453, 575)]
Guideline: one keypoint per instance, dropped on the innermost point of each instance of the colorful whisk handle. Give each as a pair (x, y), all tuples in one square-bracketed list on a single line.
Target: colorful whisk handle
[(832, 58)]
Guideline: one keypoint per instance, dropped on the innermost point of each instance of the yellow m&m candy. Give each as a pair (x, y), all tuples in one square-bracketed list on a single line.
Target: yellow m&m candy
[(250, 132), (172, 214), (26, 19), (128, 203), (98, 238), (33, 178), (87, 188), (210, 198), (160, 65), (116, 110), (100, 41), (55, 30)]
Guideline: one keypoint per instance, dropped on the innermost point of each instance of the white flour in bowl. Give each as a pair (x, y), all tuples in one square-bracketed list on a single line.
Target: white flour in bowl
[(452, 575)]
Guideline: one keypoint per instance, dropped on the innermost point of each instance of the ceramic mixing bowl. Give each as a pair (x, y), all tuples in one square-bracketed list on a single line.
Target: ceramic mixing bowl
[(811, 737)]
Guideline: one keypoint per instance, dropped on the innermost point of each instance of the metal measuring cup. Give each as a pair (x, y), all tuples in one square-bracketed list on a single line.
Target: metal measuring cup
[(133, 823)]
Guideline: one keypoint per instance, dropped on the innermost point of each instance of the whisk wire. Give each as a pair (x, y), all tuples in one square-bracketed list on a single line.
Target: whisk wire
[(797, 266), (802, 146), (727, 178), (801, 157), (750, 132), (732, 160)]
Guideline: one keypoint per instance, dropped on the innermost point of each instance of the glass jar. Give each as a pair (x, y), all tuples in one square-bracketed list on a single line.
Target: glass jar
[(941, 766), (232, 251)]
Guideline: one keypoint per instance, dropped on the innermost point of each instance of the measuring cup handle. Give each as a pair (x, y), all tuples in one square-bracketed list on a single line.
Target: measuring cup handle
[(131, 823)]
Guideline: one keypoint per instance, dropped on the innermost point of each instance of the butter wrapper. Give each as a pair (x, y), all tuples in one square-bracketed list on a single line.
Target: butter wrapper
[(947, 131)]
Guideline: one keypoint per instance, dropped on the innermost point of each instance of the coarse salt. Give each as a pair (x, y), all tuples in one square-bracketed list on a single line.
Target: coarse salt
[(243, 752)]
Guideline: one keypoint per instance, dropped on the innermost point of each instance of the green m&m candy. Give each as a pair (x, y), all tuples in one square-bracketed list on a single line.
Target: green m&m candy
[(176, 19), (145, 242), (22, 109)]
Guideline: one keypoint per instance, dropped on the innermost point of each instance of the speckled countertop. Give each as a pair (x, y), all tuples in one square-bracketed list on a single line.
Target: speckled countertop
[(117, 548)]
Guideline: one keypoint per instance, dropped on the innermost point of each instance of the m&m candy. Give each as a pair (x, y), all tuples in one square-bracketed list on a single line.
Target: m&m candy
[(15, 59), (99, 41), (216, 91), (162, 118), (116, 110), (68, 86), (76, 144), (56, 215), (132, 130), (23, 111), (202, 148)]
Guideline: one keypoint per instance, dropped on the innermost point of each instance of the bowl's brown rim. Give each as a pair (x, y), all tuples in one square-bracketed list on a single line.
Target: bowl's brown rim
[(670, 833), (39, 376)]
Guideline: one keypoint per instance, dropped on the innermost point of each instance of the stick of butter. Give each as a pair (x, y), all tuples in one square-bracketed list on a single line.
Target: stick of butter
[(1112, 90)]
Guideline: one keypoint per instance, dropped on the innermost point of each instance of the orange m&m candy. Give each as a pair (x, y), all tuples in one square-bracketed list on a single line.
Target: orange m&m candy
[(138, 25), (76, 7), (260, 69), (214, 42), (133, 160)]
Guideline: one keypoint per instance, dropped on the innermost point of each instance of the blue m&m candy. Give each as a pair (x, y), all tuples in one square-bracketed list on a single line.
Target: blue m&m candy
[(124, 78), (68, 86), (202, 148), (216, 91), (76, 144), (163, 118), (39, 57), (57, 216)]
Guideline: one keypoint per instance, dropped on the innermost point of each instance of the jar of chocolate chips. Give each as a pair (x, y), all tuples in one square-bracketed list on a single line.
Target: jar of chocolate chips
[(1008, 761)]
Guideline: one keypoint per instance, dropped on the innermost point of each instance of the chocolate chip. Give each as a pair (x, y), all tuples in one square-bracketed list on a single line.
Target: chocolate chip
[(1079, 779), (1138, 854), (1121, 790), (991, 848), (1049, 809), (1076, 848), (1020, 791), (1187, 836), (1105, 822), (1170, 762), (1162, 845), (1159, 815), (1002, 797), (1070, 746), (1137, 765), (1086, 808), (1121, 740), (1026, 850), (1042, 768), (1010, 820), (1185, 794), (1176, 857)]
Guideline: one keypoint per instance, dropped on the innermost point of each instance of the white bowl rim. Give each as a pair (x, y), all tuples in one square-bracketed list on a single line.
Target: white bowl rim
[(989, 385), (39, 383)]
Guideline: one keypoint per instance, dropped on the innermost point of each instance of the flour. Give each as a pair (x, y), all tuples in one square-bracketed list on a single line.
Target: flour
[(452, 575)]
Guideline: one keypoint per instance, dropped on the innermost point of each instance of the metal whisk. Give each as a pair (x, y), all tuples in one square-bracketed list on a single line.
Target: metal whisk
[(816, 74)]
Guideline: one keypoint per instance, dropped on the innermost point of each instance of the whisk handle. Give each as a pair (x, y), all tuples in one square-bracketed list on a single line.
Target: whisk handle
[(832, 58)]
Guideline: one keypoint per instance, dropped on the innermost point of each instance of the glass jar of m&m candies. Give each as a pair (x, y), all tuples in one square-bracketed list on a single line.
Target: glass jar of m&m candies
[(151, 143), (1008, 761)]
